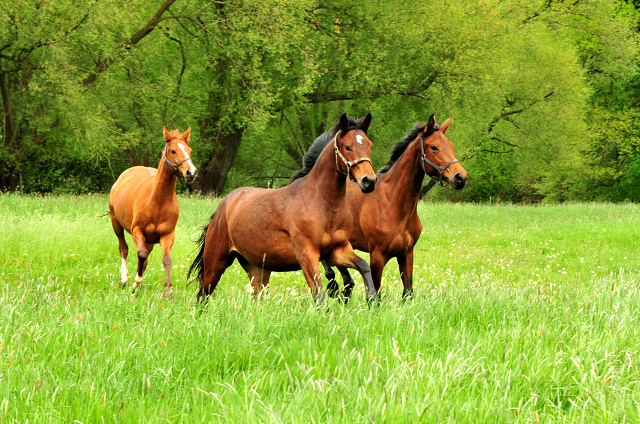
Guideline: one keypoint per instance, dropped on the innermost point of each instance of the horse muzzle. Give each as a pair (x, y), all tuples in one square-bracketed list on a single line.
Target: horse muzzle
[(459, 181), (190, 176), (367, 184)]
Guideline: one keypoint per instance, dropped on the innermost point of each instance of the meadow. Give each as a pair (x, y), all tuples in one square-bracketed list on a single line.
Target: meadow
[(520, 314)]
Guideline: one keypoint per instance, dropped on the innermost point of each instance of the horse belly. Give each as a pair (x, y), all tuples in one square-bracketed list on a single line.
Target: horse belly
[(257, 232), (271, 251)]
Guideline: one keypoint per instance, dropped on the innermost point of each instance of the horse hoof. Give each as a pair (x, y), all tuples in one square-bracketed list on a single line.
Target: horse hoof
[(167, 295), (122, 284)]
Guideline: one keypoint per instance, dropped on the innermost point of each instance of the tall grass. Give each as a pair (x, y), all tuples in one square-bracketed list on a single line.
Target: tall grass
[(521, 314)]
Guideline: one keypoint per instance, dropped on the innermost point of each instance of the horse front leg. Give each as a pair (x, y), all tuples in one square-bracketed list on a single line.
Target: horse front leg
[(332, 285), (143, 253), (405, 263), (166, 243), (308, 259), (345, 256)]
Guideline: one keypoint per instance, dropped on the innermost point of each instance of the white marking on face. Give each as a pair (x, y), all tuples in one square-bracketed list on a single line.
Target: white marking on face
[(359, 139), (193, 168), (123, 271)]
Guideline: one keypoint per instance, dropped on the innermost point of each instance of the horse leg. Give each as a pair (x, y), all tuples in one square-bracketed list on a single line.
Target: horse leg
[(378, 262), (347, 281), (346, 257), (166, 243), (332, 286), (258, 276), (213, 272), (405, 263), (124, 250), (143, 254), (308, 260)]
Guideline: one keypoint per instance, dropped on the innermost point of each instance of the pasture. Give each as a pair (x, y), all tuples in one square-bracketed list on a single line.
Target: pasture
[(520, 314)]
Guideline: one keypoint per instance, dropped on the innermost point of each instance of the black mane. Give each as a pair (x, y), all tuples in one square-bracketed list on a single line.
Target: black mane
[(399, 148), (313, 153)]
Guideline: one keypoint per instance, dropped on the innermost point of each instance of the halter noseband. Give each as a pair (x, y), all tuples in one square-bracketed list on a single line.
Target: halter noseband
[(167, 162), (348, 164), (440, 169)]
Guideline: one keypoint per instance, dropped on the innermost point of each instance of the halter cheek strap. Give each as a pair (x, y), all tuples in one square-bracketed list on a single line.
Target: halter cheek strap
[(440, 169), (348, 164), (175, 166)]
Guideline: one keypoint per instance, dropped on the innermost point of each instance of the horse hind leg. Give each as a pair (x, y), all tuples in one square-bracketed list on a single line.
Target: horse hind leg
[(348, 282), (213, 273), (258, 276), (332, 286), (124, 250)]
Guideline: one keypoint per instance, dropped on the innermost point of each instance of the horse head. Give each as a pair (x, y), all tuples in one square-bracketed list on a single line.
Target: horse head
[(438, 159), (177, 155), (353, 146)]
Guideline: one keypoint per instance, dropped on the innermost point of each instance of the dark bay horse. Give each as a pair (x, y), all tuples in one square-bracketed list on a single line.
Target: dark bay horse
[(296, 226), (386, 223), (143, 201)]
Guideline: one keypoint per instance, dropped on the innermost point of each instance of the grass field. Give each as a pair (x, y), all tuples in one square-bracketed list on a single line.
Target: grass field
[(521, 314)]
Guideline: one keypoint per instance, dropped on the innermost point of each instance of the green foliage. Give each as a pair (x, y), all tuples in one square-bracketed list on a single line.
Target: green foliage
[(87, 87)]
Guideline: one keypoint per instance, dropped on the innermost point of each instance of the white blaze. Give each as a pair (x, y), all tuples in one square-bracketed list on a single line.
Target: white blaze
[(123, 271), (359, 139), (193, 168)]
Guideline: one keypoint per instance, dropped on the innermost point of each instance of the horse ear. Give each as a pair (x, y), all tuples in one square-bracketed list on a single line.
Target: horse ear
[(344, 123), (185, 137), (445, 125), (367, 122), (167, 136), (431, 124)]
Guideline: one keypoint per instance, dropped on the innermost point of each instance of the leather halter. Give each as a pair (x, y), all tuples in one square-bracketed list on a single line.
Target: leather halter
[(175, 166), (440, 169), (348, 164)]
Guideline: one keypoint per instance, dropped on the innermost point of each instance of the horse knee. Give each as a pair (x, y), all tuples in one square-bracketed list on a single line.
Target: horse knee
[(142, 254), (166, 261)]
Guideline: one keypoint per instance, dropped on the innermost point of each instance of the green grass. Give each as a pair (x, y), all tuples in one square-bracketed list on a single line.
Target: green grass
[(521, 314)]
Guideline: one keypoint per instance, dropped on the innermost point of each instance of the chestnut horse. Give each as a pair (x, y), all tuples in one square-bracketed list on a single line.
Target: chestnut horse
[(386, 223), (296, 226), (143, 201)]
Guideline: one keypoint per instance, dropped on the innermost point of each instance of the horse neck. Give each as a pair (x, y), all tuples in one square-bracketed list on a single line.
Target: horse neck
[(405, 178), (165, 183), (325, 179)]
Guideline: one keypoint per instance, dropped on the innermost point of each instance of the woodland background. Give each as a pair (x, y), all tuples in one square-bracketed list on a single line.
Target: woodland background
[(544, 95)]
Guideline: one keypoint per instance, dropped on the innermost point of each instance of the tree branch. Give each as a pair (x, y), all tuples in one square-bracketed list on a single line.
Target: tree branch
[(104, 64)]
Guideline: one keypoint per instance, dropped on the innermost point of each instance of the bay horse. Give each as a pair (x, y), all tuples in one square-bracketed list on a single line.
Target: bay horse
[(143, 201), (296, 226), (386, 223)]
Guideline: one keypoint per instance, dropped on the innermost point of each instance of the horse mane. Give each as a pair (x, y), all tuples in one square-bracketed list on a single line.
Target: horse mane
[(313, 153), (402, 145)]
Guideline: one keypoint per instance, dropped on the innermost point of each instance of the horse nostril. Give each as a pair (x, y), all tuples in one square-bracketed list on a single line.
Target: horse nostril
[(458, 178), (188, 173)]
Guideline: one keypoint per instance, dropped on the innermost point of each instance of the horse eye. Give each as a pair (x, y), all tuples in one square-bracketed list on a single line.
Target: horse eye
[(347, 148), (434, 148), (173, 151)]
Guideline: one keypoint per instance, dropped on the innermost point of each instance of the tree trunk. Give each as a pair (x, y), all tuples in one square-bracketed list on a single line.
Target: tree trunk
[(7, 114), (213, 174)]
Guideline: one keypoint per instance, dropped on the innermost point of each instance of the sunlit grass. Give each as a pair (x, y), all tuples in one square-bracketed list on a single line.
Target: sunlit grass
[(520, 314)]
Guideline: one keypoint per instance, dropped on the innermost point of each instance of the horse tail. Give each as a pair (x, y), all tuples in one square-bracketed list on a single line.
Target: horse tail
[(197, 266)]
